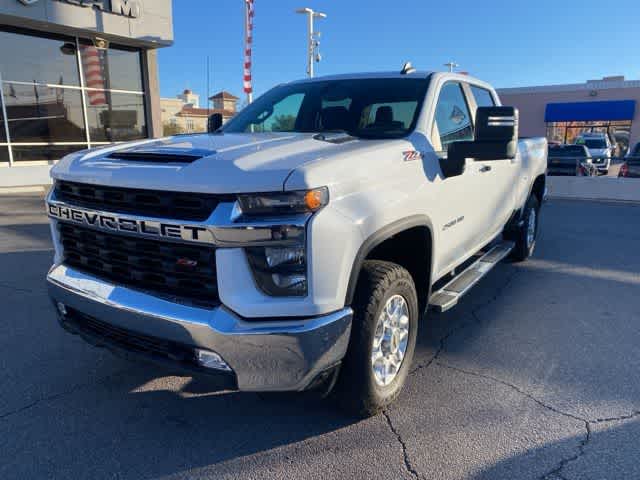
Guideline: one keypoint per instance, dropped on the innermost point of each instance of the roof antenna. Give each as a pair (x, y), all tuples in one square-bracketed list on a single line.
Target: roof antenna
[(407, 68)]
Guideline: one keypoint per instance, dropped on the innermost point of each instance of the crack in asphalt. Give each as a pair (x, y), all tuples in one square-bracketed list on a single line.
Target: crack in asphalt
[(407, 462), (513, 387), (556, 471), (463, 325), (58, 395), (616, 419)]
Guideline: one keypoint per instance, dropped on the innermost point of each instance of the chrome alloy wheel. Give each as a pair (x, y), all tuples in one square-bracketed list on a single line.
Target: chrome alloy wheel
[(531, 228), (390, 340)]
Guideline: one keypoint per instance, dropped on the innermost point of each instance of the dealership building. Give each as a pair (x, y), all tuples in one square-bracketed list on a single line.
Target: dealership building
[(76, 74), (563, 112)]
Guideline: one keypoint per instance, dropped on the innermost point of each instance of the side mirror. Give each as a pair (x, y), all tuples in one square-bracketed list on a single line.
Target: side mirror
[(496, 136), (496, 133), (214, 123)]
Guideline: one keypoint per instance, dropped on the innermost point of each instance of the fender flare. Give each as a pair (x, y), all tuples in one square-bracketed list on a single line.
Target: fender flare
[(380, 236), (517, 216)]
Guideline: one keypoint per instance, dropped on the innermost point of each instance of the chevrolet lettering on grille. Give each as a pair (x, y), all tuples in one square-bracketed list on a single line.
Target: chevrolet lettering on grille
[(147, 228)]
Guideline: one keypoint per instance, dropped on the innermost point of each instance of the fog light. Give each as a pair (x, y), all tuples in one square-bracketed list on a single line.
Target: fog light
[(209, 359), (62, 309), (295, 282)]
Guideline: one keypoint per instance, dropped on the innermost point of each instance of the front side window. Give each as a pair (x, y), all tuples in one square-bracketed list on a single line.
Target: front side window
[(452, 119), (279, 117), (366, 108)]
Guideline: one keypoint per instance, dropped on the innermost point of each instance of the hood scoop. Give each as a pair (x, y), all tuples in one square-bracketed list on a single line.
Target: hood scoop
[(161, 155)]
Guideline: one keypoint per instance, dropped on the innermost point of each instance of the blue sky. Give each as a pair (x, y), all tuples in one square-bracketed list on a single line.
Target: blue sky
[(527, 43)]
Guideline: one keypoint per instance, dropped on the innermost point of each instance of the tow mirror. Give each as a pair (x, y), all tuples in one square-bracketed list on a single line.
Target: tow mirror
[(498, 125), (214, 123), (496, 136)]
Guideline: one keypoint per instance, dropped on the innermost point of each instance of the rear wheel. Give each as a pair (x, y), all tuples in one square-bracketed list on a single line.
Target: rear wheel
[(526, 234), (383, 339)]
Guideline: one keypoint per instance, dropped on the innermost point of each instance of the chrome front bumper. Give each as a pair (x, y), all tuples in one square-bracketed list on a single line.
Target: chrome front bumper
[(282, 355)]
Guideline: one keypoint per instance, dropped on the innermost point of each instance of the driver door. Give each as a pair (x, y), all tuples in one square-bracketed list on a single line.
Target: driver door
[(457, 210)]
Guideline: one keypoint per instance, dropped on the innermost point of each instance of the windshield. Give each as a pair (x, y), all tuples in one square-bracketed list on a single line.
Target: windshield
[(595, 143), (368, 108), (567, 152)]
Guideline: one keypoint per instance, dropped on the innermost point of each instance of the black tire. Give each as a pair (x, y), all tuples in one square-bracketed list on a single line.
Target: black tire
[(524, 248), (356, 390)]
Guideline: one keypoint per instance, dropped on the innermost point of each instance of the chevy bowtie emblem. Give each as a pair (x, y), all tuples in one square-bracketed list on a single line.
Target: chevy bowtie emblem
[(186, 263)]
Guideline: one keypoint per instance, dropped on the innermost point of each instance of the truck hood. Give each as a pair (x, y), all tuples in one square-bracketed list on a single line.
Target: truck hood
[(220, 163)]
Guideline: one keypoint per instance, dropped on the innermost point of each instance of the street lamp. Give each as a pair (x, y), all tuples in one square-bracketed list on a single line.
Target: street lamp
[(313, 53)]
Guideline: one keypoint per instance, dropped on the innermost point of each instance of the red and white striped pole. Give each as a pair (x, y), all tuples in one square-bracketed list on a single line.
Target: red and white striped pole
[(248, 28)]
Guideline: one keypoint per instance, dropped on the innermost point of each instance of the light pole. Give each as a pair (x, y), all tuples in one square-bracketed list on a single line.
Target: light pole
[(452, 66), (313, 43)]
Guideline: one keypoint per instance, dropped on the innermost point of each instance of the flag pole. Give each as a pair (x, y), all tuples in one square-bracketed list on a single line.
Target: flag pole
[(248, 38)]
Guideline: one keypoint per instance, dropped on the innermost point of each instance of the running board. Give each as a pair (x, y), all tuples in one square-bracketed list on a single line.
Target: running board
[(449, 295)]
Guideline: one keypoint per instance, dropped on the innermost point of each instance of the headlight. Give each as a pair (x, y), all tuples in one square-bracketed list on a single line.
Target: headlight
[(284, 203), (279, 271)]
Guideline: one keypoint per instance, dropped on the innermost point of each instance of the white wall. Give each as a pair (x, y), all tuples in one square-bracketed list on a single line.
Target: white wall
[(594, 188)]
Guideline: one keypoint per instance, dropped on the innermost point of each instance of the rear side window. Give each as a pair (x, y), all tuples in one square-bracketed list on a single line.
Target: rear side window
[(453, 119), (482, 96)]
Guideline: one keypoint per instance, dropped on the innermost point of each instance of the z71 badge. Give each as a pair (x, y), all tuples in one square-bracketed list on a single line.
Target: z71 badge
[(411, 155)]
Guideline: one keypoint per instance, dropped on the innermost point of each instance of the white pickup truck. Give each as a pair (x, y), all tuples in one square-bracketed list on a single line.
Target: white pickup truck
[(298, 246)]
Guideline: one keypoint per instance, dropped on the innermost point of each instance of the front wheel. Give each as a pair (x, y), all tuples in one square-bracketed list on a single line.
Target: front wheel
[(383, 339), (526, 234)]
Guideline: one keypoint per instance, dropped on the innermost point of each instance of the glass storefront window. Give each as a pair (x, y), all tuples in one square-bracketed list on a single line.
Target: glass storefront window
[(4, 154), (27, 58), (115, 117), (3, 129), (568, 132), (115, 68), (23, 153), (42, 114), (54, 85)]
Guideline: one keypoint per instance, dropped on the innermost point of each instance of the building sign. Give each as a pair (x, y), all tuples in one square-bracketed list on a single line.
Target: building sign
[(128, 8)]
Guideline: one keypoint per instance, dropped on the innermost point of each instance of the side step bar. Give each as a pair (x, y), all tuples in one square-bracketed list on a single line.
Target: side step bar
[(449, 295)]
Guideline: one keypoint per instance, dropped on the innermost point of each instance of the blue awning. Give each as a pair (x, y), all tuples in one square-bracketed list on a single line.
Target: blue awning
[(590, 111)]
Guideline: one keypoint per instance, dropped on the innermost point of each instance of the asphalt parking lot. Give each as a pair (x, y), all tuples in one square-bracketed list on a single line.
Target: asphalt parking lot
[(534, 375)]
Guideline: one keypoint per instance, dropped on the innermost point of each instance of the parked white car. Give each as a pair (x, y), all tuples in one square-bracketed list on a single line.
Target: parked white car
[(297, 246)]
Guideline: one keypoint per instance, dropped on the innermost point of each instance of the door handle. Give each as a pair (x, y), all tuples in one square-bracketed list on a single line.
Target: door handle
[(485, 169)]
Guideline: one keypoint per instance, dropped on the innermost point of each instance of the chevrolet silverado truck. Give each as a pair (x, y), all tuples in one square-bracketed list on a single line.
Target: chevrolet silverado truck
[(297, 246)]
